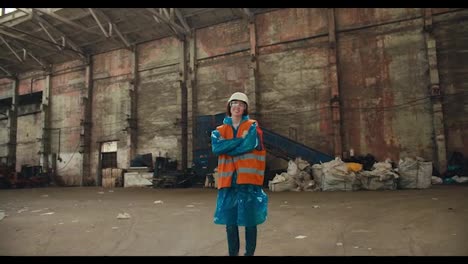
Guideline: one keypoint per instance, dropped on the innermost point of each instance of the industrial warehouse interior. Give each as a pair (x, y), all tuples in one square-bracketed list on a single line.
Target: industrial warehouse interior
[(109, 120)]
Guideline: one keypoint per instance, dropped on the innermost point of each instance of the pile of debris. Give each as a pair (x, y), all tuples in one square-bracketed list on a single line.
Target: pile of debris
[(338, 175), (297, 178)]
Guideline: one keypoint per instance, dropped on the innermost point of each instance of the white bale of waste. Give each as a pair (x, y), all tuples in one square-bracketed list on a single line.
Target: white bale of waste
[(414, 173), (317, 173), (138, 179), (336, 177), (381, 177), (282, 182)]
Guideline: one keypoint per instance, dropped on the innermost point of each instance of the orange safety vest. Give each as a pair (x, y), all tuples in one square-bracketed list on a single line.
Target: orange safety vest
[(250, 166)]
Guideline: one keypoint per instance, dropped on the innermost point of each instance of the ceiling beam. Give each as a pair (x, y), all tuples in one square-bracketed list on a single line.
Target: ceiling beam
[(182, 20), (11, 35), (13, 19), (50, 25), (4, 70), (98, 22), (41, 62), (12, 50), (245, 13), (49, 35), (66, 21), (170, 18), (112, 27), (178, 30), (70, 42), (44, 64)]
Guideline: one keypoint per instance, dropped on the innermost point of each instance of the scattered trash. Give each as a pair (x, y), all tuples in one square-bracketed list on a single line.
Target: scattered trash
[(2, 215), (123, 216), (436, 180), (44, 195), (22, 210), (356, 247), (460, 179), (114, 227), (300, 237), (101, 192), (316, 206), (369, 248), (339, 244), (190, 205), (158, 202), (360, 231), (435, 199), (49, 213)]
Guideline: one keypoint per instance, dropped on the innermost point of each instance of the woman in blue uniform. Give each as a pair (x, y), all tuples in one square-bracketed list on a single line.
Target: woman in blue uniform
[(241, 200)]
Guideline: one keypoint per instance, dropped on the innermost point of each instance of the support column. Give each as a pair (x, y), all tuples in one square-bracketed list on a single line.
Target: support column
[(12, 124), (254, 94), (85, 123), (436, 93), (45, 125), (192, 86), (132, 111), (334, 85), (183, 90)]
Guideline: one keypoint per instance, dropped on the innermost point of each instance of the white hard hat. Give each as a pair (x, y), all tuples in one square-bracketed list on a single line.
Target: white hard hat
[(240, 97)]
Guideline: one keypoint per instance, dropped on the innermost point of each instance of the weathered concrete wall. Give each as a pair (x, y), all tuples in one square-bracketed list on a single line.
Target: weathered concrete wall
[(5, 92), (290, 24), (3, 137), (31, 85), (28, 145), (159, 99), (293, 77), (218, 79), (384, 90), (5, 88), (223, 38), (451, 34), (110, 104), (223, 65), (29, 124), (65, 111), (350, 18)]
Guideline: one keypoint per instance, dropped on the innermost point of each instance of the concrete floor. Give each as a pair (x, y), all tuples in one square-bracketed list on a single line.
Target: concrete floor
[(365, 223)]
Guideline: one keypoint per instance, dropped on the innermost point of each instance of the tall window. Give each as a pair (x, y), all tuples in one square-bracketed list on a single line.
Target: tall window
[(109, 154)]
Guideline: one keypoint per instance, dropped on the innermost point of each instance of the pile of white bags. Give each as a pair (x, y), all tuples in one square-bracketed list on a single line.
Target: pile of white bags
[(414, 173), (381, 177), (297, 178)]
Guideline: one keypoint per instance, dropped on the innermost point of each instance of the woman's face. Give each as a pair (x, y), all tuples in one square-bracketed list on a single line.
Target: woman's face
[(237, 108)]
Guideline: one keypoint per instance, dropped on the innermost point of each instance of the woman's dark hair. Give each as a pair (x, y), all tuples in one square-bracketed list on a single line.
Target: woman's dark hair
[(228, 110)]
